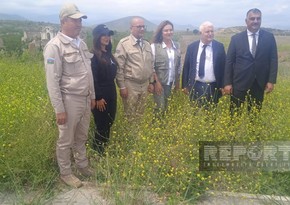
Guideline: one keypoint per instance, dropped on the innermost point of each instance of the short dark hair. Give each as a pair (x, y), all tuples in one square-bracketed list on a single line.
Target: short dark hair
[(254, 10)]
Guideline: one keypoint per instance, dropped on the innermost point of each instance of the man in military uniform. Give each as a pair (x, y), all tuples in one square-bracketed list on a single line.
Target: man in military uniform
[(135, 72), (71, 91)]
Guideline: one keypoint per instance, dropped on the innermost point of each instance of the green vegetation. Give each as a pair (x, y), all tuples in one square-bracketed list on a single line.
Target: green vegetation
[(156, 156), (26, 126), (13, 43), (11, 38)]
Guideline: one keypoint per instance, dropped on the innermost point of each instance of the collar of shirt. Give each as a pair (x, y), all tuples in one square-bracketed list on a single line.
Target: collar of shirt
[(164, 45), (250, 38), (251, 33), (201, 44), (141, 40), (75, 41)]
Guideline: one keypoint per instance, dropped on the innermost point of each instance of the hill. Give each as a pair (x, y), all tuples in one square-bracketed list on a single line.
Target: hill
[(237, 29), (11, 17), (120, 25), (22, 25), (123, 24)]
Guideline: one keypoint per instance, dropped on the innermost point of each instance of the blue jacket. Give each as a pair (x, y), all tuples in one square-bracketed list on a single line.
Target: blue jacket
[(190, 62)]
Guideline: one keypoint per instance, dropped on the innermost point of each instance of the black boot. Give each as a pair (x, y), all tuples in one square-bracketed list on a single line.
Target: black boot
[(98, 145), (100, 148)]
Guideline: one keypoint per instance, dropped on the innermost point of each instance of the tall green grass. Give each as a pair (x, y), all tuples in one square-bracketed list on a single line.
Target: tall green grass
[(146, 156), (27, 129)]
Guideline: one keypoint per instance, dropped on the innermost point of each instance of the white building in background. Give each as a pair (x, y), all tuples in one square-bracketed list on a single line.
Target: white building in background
[(47, 33), (38, 39), (38, 36)]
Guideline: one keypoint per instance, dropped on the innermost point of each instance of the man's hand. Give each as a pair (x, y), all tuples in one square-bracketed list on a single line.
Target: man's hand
[(158, 88), (269, 87), (228, 89), (61, 118), (124, 92), (185, 91)]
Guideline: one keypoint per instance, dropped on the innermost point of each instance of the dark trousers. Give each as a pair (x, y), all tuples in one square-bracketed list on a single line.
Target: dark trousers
[(254, 96), (103, 121), (205, 93)]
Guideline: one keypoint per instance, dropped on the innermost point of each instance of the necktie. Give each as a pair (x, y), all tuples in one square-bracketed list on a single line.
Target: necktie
[(202, 62), (254, 45), (139, 42)]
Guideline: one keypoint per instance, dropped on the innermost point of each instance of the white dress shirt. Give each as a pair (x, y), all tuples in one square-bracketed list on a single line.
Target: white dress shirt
[(209, 76), (250, 38), (170, 53)]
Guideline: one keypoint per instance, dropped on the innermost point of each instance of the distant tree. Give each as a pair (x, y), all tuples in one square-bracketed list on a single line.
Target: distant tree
[(195, 32)]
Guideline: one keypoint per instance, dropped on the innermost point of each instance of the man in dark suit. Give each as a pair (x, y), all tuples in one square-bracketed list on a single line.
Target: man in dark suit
[(203, 68), (252, 64)]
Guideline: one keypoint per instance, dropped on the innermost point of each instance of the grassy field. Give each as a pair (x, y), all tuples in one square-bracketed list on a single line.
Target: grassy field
[(159, 157)]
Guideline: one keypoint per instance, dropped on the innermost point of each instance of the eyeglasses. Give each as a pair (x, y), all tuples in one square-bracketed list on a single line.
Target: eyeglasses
[(253, 18), (140, 27)]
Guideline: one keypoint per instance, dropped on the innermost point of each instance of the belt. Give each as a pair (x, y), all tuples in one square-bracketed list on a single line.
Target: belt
[(207, 83)]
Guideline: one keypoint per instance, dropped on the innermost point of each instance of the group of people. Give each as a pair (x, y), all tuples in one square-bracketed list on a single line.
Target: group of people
[(247, 70), (80, 82)]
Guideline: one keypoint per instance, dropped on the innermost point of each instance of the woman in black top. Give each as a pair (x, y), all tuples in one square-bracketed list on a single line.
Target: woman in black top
[(104, 67)]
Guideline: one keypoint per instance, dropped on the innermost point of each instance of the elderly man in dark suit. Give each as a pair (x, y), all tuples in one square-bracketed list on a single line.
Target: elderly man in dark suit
[(252, 64), (203, 68)]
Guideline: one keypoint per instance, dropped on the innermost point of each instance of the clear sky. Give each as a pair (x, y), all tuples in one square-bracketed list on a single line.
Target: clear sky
[(223, 13)]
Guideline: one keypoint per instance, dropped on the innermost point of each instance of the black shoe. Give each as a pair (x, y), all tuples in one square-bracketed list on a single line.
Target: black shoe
[(99, 147)]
